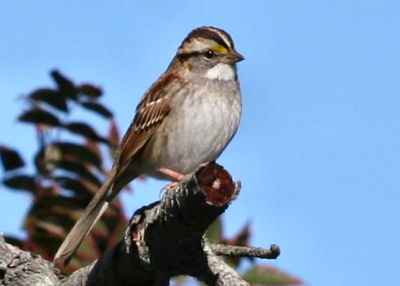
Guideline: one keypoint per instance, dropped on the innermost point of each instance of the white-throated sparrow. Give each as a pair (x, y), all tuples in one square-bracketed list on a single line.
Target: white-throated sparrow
[(186, 118)]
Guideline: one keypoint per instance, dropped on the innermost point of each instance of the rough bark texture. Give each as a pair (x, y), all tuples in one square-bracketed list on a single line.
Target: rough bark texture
[(20, 268), (163, 239)]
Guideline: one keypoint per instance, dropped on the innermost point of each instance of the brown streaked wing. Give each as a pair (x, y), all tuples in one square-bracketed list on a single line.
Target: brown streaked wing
[(150, 112)]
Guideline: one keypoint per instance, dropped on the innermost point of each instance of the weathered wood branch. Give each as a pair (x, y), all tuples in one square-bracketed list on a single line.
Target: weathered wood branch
[(166, 239)]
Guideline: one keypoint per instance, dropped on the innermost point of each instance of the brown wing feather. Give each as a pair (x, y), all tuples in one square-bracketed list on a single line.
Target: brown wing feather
[(150, 112)]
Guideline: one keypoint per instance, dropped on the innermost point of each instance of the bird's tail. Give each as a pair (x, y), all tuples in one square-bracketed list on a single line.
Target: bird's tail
[(97, 206)]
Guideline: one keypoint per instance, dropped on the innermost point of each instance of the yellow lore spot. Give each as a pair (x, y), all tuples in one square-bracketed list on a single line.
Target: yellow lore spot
[(219, 49)]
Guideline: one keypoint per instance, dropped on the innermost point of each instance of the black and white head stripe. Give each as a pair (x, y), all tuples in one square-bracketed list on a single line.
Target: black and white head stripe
[(203, 38)]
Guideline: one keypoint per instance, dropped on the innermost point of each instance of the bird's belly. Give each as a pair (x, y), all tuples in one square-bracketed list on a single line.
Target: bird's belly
[(201, 130)]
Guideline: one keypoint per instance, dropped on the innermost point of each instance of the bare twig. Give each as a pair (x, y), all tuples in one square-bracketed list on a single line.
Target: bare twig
[(244, 251)]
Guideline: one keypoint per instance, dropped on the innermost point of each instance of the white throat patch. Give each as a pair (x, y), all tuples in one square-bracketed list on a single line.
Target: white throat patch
[(221, 72)]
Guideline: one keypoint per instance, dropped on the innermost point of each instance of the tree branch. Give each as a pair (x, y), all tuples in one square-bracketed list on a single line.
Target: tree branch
[(166, 239), (243, 251), (18, 268)]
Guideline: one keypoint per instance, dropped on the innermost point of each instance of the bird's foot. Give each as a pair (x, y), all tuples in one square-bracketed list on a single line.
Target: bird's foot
[(175, 176)]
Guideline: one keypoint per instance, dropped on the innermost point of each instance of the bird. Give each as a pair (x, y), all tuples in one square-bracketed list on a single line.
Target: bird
[(186, 118)]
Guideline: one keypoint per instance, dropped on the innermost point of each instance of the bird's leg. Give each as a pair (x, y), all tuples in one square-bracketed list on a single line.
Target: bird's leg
[(175, 176)]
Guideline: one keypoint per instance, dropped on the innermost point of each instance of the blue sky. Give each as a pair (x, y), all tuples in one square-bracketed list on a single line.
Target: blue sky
[(318, 148)]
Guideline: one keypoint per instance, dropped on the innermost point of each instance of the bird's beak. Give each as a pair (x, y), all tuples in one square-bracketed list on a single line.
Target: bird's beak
[(232, 57)]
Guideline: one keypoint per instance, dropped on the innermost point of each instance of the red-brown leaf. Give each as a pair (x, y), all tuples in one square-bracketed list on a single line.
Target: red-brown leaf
[(267, 275)]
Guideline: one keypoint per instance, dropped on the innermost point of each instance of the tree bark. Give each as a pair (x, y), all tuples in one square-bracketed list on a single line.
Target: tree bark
[(162, 240)]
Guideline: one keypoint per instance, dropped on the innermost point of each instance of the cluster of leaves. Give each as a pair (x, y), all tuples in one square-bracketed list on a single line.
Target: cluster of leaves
[(67, 174)]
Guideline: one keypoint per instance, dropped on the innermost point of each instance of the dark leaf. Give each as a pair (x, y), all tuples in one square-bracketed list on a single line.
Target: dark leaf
[(94, 147), (40, 244), (104, 235), (242, 238), (113, 134), (90, 90), (51, 97), (265, 275), (46, 229), (14, 241), (59, 205), (44, 237), (39, 116), (21, 182), (78, 152), (40, 162), (65, 86), (80, 170), (214, 232), (113, 139), (10, 159), (85, 130), (48, 157), (74, 185), (118, 231), (98, 108)]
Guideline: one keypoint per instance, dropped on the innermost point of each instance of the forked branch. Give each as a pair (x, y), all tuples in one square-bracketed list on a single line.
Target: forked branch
[(166, 239)]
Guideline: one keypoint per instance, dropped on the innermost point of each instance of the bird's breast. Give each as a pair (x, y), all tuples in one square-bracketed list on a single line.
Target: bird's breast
[(199, 126)]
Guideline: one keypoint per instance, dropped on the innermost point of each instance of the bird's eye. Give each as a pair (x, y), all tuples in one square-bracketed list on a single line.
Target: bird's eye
[(209, 54)]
